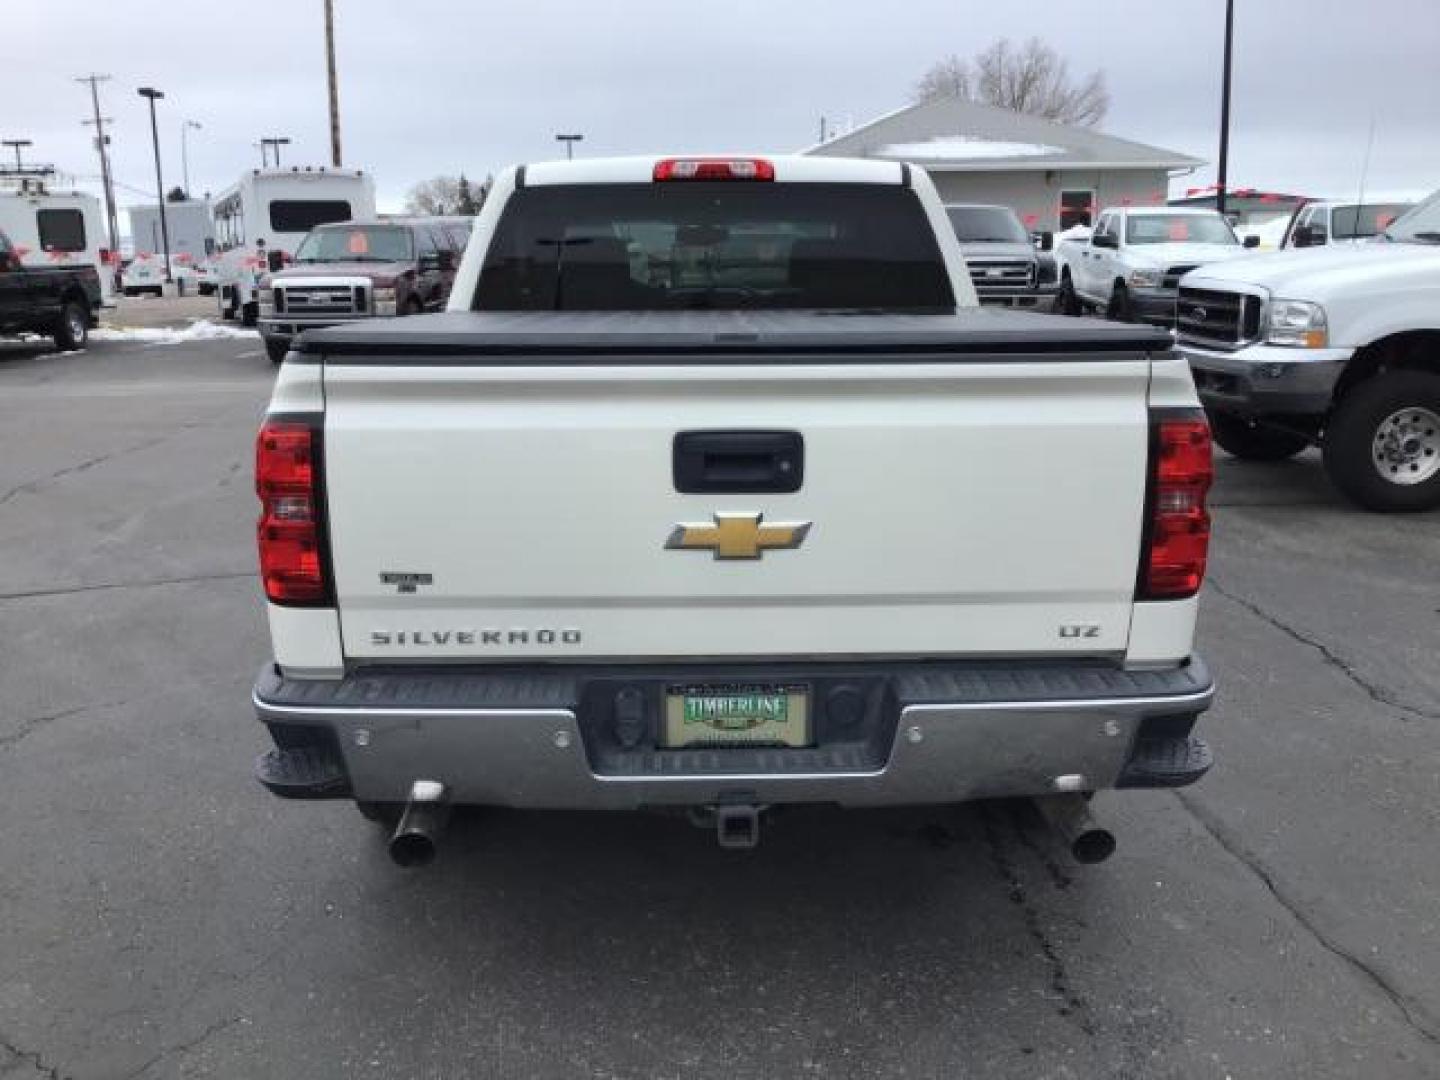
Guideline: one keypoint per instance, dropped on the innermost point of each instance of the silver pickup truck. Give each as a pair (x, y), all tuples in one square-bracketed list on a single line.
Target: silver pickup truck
[(716, 490), (1008, 266)]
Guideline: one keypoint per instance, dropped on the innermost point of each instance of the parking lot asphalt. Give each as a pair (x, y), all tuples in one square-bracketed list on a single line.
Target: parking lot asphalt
[(162, 916)]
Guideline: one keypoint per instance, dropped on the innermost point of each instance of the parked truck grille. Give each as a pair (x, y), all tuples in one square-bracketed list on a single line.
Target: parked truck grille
[(1173, 275), (990, 276), (1210, 317), (320, 299)]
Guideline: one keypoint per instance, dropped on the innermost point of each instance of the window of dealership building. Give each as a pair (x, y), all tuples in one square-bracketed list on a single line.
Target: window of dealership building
[(1053, 175)]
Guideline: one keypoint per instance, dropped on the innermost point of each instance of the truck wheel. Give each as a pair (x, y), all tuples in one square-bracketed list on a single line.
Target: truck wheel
[(1068, 301), (1382, 447), (1250, 441), (249, 314), (1120, 308), (276, 348), (73, 329)]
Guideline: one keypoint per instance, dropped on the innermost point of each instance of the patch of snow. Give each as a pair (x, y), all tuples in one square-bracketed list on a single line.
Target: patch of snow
[(199, 330), (964, 148), (1074, 232)]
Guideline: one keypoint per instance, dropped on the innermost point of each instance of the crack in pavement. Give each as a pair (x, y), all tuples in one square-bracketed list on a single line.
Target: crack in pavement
[(1073, 1004), (35, 723), (32, 486), (52, 1072), (1374, 691), (184, 1048), (1414, 1013), (153, 583)]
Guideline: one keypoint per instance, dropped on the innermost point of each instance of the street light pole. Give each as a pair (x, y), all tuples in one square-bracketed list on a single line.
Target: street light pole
[(570, 141), (1224, 169), (152, 94), (185, 126)]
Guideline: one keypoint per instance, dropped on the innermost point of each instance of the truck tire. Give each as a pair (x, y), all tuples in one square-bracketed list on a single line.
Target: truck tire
[(1068, 301), (276, 348), (1249, 441), (72, 331), (1382, 447), (1119, 308)]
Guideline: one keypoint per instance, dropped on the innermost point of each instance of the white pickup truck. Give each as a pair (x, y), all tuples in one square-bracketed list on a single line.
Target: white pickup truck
[(716, 489), (1131, 263), (1338, 348)]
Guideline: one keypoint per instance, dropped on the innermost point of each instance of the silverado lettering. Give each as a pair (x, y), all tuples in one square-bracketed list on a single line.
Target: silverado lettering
[(415, 638)]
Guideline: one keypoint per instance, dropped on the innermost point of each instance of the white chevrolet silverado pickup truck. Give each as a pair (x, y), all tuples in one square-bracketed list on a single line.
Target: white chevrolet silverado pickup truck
[(1337, 347), (715, 489)]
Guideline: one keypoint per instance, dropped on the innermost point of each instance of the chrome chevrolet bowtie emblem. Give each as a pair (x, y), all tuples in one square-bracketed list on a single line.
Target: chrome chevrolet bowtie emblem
[(738, 536), (1198, 314)]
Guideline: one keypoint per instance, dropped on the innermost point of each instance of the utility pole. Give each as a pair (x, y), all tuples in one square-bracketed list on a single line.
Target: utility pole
[(17, 145), (185, 126), (570, 141), (1223, 179), (153, 94), (334, 90), (102, 144)]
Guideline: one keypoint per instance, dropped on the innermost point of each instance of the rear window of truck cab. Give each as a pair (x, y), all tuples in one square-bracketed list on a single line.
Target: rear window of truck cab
[(713, 246)]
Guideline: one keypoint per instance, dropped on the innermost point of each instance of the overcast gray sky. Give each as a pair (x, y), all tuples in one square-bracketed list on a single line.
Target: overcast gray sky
[(428, 86)]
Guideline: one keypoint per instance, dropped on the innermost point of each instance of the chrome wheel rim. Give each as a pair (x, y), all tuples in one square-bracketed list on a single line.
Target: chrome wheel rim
[(77, 326), (1406, 448)]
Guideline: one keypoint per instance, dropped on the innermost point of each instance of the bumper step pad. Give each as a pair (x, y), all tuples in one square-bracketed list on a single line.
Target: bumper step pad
[(305, 772), (1167, 763)]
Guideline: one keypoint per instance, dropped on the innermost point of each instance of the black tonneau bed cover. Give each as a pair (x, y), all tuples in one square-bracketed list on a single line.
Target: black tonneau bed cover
[(723, 336)]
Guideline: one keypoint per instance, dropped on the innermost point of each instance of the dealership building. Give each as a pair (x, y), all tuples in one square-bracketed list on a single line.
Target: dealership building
[(1053, 175)]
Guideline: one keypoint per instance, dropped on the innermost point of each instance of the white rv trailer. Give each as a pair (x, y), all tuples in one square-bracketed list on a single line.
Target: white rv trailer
[(271, 210), (192, 241), (58, 228)]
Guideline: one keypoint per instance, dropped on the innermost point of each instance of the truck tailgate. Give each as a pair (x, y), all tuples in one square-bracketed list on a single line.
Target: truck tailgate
[(984, 497)]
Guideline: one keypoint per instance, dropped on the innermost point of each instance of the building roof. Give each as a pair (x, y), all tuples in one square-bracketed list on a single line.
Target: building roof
[(950, 134)]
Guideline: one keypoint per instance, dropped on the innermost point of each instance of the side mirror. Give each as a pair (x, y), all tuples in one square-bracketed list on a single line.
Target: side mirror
[(275, 261), (1044, 241), (1105, 241), (1308, 236), (1252, 241)]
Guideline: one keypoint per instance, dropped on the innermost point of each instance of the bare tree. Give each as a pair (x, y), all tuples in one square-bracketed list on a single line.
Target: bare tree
[(438, 195), (948, 78), (1032, 78)]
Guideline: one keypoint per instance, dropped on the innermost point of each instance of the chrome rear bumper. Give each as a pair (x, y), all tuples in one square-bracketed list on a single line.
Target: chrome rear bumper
[(979, 744)]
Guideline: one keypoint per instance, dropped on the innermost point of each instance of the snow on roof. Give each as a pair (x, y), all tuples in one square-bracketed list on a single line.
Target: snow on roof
[(964, 148)]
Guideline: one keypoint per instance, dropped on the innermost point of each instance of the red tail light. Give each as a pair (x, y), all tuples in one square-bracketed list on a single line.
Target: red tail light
[(714, 169), (287, 479), (1178, 532)]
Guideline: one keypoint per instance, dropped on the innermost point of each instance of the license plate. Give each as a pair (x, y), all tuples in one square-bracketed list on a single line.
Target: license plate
[(737, 715)]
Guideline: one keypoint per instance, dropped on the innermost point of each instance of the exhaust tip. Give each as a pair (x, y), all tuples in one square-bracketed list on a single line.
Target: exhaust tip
[(412, 849), (1093, 846)]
